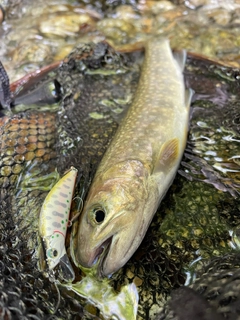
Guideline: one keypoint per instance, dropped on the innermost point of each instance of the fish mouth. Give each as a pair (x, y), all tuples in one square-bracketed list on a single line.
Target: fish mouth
[(101, 255)]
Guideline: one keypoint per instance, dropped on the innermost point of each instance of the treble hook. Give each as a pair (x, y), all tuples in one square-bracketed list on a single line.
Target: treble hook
[(79, 210)]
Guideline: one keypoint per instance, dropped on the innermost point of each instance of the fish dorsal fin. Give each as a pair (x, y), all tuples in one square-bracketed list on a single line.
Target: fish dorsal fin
[(168, 156), (180, 57)]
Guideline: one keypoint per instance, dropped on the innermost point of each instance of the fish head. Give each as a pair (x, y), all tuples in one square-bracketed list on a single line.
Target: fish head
[(55, 249), (55, 253), (112, 224)]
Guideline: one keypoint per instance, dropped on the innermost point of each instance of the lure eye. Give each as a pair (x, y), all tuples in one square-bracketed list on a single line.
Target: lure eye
[(52, 253), (98, 215)]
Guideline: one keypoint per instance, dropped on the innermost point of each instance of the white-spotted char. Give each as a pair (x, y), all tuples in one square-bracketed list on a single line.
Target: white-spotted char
[(54, 219), (139, 164)]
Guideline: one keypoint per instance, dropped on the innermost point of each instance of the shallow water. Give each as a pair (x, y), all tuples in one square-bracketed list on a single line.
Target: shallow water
[(37, 33)]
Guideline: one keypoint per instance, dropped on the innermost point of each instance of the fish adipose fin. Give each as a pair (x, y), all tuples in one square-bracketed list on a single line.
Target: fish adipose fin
[(168, 155), (180, 57), (188, 97)]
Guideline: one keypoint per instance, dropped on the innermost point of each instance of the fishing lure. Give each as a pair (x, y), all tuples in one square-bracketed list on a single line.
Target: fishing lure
[(54, 221)]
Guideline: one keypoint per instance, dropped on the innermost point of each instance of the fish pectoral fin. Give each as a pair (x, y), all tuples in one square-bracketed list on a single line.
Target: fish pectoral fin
[(180, 57), (168, 156)]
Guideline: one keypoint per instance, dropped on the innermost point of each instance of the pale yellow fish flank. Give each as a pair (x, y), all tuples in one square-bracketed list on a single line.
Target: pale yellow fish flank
[(139, 165)]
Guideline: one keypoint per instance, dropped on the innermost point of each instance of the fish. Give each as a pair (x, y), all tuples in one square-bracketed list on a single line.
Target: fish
[(138, 166), (54, 221)]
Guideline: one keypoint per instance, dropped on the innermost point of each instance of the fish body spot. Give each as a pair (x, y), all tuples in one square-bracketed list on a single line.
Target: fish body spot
[(58, 203), (58, 214), (64, 195), (66, 186), (56, 224)]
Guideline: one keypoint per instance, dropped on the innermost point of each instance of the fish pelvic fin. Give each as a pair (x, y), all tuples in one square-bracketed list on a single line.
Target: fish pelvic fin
[(168, 156), (188, 97)]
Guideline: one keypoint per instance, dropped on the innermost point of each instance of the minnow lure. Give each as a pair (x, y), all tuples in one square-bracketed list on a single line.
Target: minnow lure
[(54, 221)]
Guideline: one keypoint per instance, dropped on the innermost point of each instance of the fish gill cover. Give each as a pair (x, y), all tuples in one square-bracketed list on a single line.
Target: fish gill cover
[(198, 219)]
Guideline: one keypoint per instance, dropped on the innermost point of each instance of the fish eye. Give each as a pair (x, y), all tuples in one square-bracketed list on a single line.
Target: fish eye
[(98, 215), (52, 253)]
